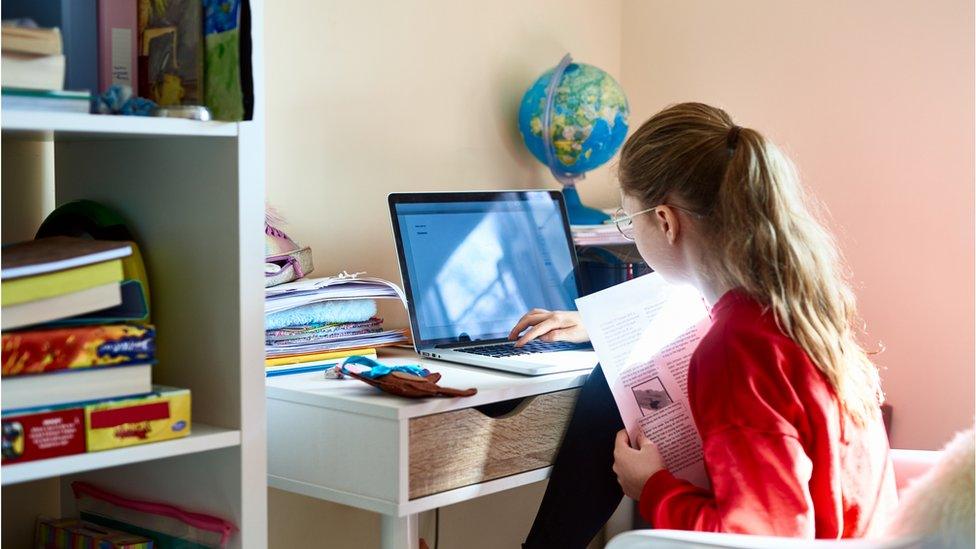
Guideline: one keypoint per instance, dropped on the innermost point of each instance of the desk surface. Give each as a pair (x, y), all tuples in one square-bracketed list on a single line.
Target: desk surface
[(354, 396)]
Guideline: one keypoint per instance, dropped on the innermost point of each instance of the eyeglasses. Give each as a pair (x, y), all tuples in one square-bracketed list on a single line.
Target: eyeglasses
[(625, 223)]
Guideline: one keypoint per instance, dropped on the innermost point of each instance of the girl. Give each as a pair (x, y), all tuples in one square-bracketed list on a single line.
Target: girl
[(786, 401)]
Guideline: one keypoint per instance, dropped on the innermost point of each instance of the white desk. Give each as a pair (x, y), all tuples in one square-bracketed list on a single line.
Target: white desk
[(346, 442)]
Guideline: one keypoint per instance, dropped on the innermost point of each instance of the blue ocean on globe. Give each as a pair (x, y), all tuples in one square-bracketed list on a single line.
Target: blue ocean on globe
[(589, 119)]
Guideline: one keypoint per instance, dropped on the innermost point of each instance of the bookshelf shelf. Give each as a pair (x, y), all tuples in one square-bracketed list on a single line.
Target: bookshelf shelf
[(76, 125), (203, 438)]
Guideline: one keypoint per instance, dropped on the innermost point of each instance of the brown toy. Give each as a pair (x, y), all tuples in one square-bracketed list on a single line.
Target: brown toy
[(412, 386)]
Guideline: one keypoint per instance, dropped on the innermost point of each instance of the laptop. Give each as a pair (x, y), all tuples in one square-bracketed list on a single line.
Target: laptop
[(473, 263)]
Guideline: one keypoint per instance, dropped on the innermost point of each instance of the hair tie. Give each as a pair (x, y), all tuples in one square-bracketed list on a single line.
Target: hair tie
[(733, 138)]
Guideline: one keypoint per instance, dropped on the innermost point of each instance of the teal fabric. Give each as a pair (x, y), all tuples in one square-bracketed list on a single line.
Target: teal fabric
[(327, 312)]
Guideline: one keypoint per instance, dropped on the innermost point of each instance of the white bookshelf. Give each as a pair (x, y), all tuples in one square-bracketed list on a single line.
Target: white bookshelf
[(204, 437), (193, 195), (81, 126)]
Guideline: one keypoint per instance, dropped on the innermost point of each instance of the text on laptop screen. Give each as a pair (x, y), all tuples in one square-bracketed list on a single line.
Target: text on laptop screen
[(475, 268)]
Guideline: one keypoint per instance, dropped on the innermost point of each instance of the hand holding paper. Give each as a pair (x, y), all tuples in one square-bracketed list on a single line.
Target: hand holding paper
[(644, 332)]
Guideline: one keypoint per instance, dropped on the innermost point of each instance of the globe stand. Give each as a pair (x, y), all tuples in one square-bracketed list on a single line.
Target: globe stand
[(578, 213)]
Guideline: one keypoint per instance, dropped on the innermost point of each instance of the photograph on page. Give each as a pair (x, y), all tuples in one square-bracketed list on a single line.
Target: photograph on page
[(644, 332)]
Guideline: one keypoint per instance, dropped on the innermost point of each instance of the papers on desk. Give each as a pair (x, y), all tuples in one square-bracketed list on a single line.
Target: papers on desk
[(372, 339), (315, 290), (318, 331)]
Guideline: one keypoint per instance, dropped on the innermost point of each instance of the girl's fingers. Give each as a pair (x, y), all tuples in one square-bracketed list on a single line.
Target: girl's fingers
[(529, 319), (622, 441), (536, 331)]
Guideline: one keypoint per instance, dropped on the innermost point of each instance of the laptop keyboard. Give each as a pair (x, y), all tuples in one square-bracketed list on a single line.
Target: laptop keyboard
[(500, 350)]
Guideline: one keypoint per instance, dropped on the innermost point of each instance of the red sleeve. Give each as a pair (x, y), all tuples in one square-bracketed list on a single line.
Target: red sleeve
[(759, 486), (745, 410)]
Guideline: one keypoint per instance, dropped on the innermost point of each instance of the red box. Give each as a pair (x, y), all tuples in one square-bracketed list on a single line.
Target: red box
[(43, 435)]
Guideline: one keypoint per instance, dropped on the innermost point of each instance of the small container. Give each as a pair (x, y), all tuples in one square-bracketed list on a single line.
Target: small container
[(192, 112)]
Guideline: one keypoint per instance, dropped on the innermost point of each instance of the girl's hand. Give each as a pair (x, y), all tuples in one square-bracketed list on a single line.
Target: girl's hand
[(550, 326), (633, 466)]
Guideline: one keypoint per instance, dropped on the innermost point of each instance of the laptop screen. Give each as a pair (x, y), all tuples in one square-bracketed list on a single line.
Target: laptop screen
[(475, 263)]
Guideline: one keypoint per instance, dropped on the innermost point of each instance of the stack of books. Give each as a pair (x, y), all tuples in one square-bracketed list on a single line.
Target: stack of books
[(76, 378), (33, 69), (313, 323), (31, 58)]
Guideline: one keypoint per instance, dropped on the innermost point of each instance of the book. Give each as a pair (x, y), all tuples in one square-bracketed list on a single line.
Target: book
[(51, 350), (339, 343), (229, 89), (56, 253), (28, 40), (171, 51), (47, 432), (72, 533), (118, 38), (63, 306), (36, 72), (134, 308), (644, 331), (67, 386), (53, 284), (77, 22), (311, 366), (315, 357), (17, 99), (162, 415)]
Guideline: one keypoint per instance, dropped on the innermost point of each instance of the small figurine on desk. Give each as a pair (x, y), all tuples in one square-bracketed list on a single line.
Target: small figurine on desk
[(406, 381)]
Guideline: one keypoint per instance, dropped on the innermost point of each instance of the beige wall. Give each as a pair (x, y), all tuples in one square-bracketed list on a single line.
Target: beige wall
[(874, 101), (365, 98)]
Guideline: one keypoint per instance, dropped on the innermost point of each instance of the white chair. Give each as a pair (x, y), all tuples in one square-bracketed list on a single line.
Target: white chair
[(908, 465)]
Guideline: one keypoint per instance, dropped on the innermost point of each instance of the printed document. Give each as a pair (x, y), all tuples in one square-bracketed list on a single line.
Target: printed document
[(645, 331)]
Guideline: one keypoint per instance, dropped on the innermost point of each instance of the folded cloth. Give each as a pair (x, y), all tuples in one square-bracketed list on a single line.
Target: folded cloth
[(325, 312), (324, 332)]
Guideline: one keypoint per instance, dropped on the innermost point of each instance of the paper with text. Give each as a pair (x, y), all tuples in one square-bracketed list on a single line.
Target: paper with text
[(644, 332)]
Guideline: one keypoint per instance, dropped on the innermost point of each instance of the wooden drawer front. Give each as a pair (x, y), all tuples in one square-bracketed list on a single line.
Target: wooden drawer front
[(465, 447)]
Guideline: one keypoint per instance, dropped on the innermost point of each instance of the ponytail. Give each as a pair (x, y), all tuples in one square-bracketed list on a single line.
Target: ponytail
[(764, 239)]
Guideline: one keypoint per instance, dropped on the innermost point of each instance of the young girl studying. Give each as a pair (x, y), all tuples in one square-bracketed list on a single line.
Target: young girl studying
[(786, 400)]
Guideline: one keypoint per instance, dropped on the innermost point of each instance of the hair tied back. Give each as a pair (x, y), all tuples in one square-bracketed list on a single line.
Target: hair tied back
[(732, 139)]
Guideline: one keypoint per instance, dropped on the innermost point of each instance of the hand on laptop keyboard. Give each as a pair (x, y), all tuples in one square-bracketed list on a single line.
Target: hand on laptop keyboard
[(500, 350), (549, 326)]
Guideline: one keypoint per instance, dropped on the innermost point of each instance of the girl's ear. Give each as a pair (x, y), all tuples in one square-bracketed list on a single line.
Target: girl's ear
[(667, 221)]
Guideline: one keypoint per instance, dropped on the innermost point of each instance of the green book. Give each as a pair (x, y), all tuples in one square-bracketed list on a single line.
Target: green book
[(20, 99)]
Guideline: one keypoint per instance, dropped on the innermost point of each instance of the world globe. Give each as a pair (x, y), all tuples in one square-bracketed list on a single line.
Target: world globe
[(574, 119)]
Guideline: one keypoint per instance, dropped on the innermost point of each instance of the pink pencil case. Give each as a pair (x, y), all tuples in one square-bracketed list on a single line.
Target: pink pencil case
[(168, 526)]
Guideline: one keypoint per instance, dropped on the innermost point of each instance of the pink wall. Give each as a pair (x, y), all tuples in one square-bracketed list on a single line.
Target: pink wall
[(874, 102)]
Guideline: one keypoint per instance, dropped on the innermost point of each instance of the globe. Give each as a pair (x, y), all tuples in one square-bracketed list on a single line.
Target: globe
[(585, 111)]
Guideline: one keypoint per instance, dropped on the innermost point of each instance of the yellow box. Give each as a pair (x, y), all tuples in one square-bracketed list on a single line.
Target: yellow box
[(161, 415)]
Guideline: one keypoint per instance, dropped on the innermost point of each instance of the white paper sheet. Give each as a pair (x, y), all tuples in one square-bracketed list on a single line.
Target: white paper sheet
[(314, 290), (645, 331)]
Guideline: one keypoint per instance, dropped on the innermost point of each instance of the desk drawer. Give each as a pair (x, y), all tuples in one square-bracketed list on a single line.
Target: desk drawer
[(465, 447)]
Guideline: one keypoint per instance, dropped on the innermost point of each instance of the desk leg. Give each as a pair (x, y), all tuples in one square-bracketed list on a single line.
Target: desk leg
[(399, 532)]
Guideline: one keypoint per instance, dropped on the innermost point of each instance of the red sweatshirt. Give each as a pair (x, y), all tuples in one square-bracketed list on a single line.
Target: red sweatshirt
[(782, 458)]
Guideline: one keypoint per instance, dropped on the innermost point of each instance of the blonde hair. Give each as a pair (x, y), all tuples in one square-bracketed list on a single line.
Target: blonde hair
[(763, 238)]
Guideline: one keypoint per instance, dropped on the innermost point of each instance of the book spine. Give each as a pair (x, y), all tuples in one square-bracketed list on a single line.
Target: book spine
[(120, 423), (43, 435), (42, 351), (117, 37), (79, 33)]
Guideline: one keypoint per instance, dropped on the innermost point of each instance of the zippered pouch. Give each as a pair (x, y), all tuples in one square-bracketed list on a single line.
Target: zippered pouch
[(169, 527)]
